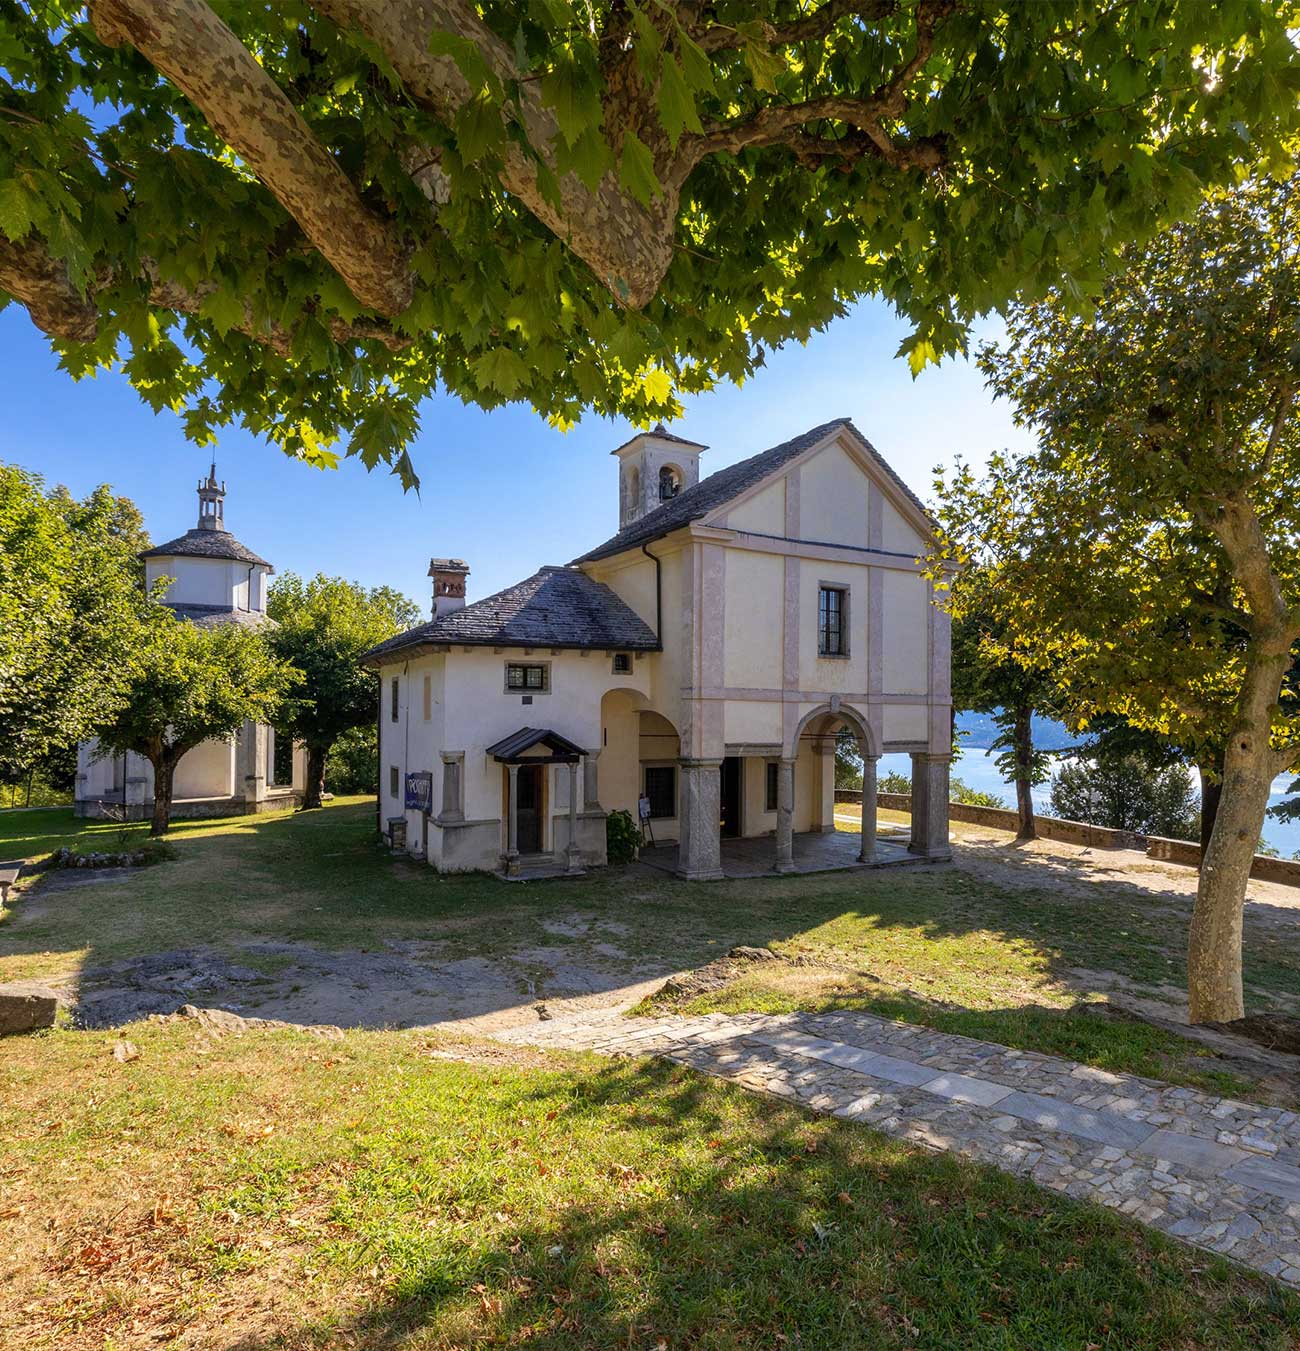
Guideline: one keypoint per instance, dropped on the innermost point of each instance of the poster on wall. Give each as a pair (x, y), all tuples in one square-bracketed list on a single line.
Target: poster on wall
[(419, 792)]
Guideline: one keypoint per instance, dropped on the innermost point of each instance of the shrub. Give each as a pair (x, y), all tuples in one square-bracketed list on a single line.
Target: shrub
[(622, 838), (1126, 792), (972, 797), (894, 782)]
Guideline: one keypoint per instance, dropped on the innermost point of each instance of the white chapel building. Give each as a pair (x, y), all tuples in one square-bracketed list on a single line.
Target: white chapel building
[(214, 580), (693, 670)]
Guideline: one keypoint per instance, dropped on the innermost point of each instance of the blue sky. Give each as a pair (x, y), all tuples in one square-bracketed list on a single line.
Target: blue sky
[(501, 490)]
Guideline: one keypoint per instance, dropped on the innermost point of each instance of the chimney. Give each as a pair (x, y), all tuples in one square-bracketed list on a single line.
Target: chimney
[(448, 584)]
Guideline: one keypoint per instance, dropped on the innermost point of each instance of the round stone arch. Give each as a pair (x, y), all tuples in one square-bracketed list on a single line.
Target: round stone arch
[(835, 711)]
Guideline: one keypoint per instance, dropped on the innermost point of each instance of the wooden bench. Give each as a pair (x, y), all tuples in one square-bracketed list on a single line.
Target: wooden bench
[(8, 876)]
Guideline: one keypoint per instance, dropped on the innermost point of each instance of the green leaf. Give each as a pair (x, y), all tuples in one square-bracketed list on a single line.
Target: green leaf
[(224, 309), (501, 369), (478, 128), (15, 209), (676, 103), (764, 66), (636, 169)]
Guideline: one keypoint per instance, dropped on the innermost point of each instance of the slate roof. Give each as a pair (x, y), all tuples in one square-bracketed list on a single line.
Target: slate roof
[(214, 616), (556, 607), (205, 544), (664, 435), (514, 745), (691, 504)]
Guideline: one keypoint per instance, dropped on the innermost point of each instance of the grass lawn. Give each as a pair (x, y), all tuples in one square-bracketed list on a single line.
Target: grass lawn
[(275, 1190), (944, 947)]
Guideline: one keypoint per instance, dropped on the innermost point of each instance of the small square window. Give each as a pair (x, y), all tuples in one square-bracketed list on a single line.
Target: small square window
[(773, 785), (832, 621), (622, 663), (532, 677), (661, 789)]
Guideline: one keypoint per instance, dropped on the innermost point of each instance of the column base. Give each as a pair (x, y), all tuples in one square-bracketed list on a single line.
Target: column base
[(510, 863), (706, 875), (574, 863), (784, 865)]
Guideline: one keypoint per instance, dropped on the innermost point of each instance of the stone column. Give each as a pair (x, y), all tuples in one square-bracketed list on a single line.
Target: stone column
[(930, 805), (785, 817), (453, 809), (867, 853), (590, 793), (136, 786), (699, 847), (253, 741), (512, 823), (574, 852)]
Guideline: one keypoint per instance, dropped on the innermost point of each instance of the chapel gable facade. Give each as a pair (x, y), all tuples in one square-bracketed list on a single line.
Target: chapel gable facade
[(695, 669)]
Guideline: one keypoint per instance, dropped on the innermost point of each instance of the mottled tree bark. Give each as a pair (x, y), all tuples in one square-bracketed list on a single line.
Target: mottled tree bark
[(315, 784), (1214, 985), (194, 49), (1022, 737), (164, 774)]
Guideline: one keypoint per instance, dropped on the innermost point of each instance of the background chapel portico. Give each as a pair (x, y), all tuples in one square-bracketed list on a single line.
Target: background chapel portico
[(703, 659)]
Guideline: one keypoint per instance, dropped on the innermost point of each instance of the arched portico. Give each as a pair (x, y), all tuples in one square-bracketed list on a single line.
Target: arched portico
[(817, 725)]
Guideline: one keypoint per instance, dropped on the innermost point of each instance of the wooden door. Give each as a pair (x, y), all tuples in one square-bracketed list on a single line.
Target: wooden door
[(528, 810), (732, 768)]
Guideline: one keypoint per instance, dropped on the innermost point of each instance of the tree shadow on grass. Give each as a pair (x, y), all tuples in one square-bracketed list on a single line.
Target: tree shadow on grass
[(712, 1219)]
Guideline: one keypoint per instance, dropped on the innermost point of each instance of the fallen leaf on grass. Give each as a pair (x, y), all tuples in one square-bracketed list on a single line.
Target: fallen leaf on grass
[(126, 1051)]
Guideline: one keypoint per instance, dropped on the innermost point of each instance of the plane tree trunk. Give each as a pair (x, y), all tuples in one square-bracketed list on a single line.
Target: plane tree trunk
[(315, 785)]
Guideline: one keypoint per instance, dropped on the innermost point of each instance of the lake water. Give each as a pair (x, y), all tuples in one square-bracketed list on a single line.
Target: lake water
[(976, 769)]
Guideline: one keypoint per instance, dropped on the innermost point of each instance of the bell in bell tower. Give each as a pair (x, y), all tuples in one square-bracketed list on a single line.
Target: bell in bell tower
[(212, 499), (654, 467)]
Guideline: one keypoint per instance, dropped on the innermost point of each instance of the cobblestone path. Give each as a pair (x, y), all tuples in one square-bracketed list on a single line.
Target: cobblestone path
[(1220, 1174)]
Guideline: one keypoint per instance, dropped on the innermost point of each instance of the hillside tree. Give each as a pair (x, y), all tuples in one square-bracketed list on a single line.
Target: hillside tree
[(305, 217), (322, 626), (186, 684), (1156, 526), (71, 590)]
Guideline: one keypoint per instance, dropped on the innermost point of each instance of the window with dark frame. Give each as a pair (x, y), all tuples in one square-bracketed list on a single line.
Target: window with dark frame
[(393, 783), (622, 663), (522, 677), (661, 789), (393, 688), (832, 637), (773, 784)]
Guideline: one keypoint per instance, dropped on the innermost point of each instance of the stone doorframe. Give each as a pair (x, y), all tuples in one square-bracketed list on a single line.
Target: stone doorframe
[(573, 854)]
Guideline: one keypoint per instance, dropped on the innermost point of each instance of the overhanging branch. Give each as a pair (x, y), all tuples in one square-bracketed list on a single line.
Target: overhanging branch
[(194, 49)]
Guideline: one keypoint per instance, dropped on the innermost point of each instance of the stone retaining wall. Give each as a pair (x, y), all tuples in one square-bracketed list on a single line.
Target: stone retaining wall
[(1188, 852)]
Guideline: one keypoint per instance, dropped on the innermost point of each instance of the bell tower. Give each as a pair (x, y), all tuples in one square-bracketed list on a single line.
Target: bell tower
[(212, 500), (654, 467)]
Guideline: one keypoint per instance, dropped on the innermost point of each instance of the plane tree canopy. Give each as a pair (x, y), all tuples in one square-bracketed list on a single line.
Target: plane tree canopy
[(305, 216)]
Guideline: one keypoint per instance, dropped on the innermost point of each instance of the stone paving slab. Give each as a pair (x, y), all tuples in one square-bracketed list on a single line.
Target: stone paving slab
[(1217, 1173)]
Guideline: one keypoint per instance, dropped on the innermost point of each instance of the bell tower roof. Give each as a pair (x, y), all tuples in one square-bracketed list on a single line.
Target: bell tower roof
[(210, 538)]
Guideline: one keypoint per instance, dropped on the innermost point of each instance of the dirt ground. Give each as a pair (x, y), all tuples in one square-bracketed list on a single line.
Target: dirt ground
[(408, 983)]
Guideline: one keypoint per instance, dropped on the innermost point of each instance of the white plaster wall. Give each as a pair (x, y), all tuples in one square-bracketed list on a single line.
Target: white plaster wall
[(753, 722), (906, 633), (206, 771), (834, 499), (618, 769), (757, 820), (896, 535), (763, 513), (905, 722), (210, 581), (754, 587)]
